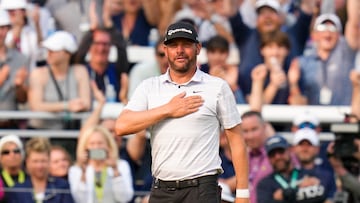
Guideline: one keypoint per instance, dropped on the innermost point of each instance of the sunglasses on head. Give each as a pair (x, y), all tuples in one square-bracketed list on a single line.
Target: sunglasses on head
[(6, 152), (326, 27), (306, 125)]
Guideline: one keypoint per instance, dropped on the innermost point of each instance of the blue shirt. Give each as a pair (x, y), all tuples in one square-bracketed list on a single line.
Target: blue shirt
[(332, 73), (57, 191), (140, 33), (248, 41), (310, 194)]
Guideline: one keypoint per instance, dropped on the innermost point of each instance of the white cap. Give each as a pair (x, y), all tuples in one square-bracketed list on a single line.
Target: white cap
[(60, 40), (328, 17), (13, 4), (12, 138), (226, 194), (306, 117), (306, 134), (274, 4), (4, 18)]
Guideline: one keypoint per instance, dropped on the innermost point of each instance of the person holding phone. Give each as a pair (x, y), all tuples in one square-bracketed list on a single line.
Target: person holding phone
[(99, 175)]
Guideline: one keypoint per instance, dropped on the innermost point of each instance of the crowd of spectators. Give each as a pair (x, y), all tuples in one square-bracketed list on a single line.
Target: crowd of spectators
[(71, 56)]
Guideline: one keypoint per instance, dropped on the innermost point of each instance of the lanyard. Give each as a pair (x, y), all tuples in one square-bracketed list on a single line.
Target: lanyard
[(284, 184), (99, 188), (8, 179)]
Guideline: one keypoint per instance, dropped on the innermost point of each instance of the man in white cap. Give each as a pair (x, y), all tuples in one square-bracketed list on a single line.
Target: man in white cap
[(11, 160), (321, 77), (306, 147), (13, 74)]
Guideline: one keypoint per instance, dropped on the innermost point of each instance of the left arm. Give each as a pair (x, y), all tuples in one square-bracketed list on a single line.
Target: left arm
[(83, 81), (239, 158), (122, 179)]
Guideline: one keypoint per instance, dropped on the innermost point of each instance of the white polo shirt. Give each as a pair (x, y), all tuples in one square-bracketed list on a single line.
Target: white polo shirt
[(187, 147)]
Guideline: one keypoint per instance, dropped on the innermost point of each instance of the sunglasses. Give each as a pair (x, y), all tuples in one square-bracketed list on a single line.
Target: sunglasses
[(105, 44), (6, 152), (306, 125), (326, 27)]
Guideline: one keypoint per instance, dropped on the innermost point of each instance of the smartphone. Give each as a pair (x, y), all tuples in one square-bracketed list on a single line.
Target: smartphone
[(97, 154)]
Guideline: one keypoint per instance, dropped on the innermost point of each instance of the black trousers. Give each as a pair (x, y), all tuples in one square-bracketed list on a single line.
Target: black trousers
[(200, 190)]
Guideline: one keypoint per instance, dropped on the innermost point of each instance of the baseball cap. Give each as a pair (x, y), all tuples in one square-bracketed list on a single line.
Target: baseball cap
[(12, 138), (306, 134), (60, 40), (306, 118), (273, 4), (275, 142), (4, 18), (226, 194), (328, 17), (13, 4), (181, 30)]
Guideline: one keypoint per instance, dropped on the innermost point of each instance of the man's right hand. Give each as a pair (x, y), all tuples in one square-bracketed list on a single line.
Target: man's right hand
[(180, 105)]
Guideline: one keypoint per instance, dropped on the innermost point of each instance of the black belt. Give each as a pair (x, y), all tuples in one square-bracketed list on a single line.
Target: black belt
[(180, 184)]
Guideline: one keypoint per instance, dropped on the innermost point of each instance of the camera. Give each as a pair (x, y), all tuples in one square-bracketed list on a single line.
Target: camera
[(97, 154), (344, 147)]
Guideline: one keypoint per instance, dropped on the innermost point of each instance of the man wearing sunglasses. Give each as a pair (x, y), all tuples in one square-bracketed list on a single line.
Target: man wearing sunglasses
[(11, 160), (321, 75), (287, 183)]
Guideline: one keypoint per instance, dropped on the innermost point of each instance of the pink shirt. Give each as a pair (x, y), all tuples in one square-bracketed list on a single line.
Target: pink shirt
[(259, 168)]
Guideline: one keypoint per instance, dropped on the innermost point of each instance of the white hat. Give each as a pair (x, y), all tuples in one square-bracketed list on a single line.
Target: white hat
[(4, 18), (13, 4), (306, 134), (306, 117), (12, 138), (274, 4), (60, 40), (226, 194), (328, 17)]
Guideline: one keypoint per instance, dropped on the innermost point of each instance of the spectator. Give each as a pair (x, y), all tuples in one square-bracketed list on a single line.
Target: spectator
[(309, 120), (11, 160), (269, 83), (60, 162), (21, 35), (60, 86), (217, 52), (146, 69), (349, 180), (312, 77), (253, 128), (13, 74), (108, 75), (268, 20), (40, 186), (136, 149), (135, 22), (208, 19), (287, 183), (99, 175), (306, 147)]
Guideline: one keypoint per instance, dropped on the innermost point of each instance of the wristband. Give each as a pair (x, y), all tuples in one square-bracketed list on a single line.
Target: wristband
[(242, 193), (66, 106)]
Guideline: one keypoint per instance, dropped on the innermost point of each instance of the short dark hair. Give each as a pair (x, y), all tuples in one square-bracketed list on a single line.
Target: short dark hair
[(252, 113), (277, 37), (217, 43)]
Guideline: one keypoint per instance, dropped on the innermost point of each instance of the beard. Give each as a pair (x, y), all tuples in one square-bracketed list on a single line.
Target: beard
[(281, 165), (182, 67)]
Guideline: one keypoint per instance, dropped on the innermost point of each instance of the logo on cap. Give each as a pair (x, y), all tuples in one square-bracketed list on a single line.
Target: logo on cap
[(170, 32)]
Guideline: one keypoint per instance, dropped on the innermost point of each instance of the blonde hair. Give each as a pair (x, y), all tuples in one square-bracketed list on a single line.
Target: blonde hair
[(110, 141), (39, 145)]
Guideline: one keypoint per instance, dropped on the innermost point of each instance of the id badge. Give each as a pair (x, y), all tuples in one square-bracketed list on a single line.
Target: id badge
[(325, 96)]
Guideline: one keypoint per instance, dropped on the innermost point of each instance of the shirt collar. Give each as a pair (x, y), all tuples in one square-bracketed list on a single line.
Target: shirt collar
[(197, 77)]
